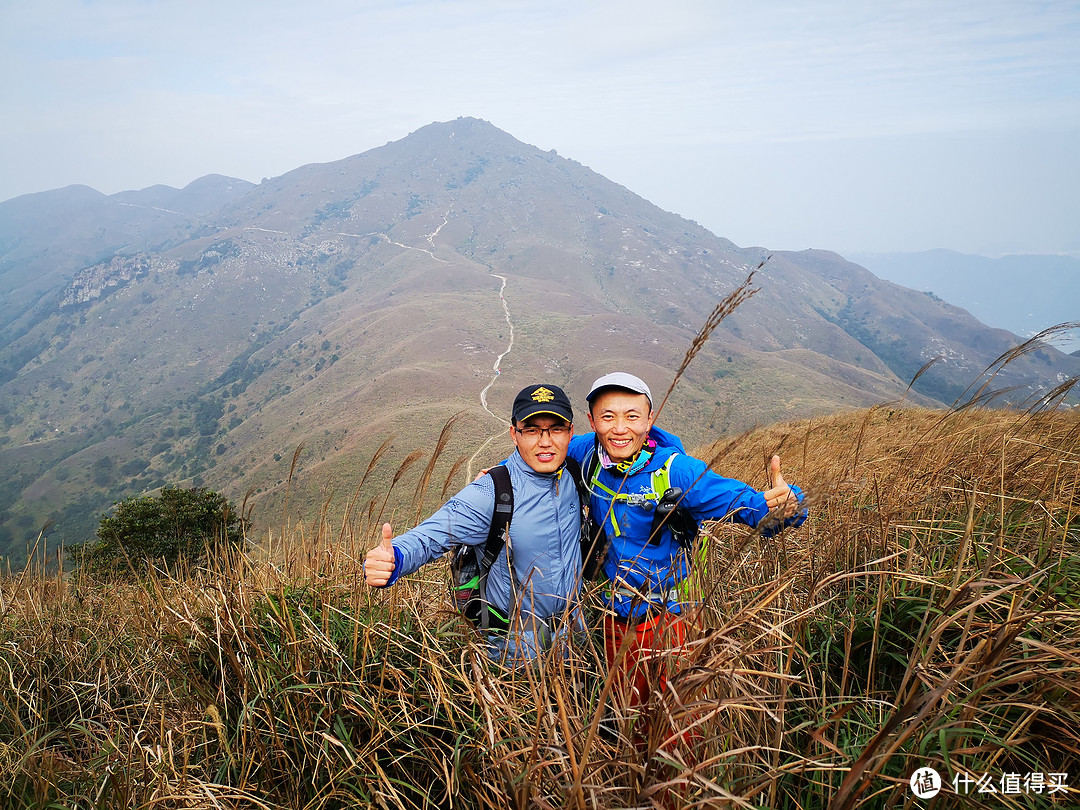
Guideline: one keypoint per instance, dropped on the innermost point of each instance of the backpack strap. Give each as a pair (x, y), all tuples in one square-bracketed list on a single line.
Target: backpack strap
[(501, 515), (500, 525), (661, 478), (594, 465), (666, 500), (590, 479), (669, 511), (574, 469), (649, 501)]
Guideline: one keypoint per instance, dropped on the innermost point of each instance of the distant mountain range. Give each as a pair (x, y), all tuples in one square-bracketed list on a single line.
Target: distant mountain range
[(1024, 294), (201, 335)]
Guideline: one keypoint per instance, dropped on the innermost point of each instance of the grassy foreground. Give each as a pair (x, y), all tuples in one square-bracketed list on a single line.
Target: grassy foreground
[(928, 614)]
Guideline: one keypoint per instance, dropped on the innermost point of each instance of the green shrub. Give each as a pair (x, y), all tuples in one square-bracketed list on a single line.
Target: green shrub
[(178, 525)]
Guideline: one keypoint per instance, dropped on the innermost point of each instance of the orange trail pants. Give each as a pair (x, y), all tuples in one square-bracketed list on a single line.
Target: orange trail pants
[(647, 652), (643, 656)]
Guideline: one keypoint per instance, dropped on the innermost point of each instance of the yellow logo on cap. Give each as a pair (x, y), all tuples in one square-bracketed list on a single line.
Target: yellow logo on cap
[(542, 394)]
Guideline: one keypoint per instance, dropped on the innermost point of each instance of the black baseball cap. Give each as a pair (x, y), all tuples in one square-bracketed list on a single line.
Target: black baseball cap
[(541, 399)]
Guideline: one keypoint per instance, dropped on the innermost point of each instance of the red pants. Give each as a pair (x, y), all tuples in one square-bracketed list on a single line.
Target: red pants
[(649, 651), (643, 658)]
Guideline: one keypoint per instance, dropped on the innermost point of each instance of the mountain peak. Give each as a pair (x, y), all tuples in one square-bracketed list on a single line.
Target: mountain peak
[(199, 335)]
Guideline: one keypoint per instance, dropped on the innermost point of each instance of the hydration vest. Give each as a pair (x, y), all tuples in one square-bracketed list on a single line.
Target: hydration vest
[(664, 501)]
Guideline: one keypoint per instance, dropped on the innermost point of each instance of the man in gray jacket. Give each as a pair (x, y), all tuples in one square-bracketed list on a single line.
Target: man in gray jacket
[(535, 581)]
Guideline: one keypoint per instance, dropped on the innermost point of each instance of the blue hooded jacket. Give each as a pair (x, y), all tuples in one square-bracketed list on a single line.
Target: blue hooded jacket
[(545, 533), (633, 564)]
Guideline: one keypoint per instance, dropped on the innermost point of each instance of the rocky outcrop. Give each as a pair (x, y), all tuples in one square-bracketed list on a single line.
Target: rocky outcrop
[(93, 282)]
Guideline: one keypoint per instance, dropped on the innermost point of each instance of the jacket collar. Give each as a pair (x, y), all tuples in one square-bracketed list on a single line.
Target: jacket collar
[(667, 444)]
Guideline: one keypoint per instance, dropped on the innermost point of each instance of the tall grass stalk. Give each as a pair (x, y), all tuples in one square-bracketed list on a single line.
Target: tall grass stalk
[(928, 613)]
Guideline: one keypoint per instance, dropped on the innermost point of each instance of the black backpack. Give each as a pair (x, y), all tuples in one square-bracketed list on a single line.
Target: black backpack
[(468, 574)]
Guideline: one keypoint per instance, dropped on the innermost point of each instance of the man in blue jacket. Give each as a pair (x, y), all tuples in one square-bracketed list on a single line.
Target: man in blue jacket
[(535, 581), (646, 567)]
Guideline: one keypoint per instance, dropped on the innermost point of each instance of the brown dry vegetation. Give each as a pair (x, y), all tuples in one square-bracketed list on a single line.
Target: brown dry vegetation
[(928, 613)]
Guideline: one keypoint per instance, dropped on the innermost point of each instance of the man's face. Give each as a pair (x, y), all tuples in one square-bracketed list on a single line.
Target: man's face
[(621, 421), (546, 451)]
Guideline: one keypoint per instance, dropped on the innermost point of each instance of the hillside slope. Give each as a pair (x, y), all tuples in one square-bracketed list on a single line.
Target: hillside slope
[(201, 336)]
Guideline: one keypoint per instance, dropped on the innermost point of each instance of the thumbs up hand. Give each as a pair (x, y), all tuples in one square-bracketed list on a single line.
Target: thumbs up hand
[(779, 494), (775, 478), (379, 562)]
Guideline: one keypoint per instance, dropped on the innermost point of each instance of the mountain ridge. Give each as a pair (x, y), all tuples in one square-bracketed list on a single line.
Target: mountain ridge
[(1024, 293), (343, 303)]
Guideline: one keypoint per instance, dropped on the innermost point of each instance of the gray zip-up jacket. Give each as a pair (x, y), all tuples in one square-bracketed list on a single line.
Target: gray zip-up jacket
[(545, 533)]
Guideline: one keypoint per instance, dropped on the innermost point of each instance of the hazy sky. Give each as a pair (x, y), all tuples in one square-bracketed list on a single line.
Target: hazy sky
[(850, 125)]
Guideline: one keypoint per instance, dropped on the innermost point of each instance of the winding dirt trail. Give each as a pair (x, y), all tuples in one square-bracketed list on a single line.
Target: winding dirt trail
[(495, 376), (430, 239), (509, 347)]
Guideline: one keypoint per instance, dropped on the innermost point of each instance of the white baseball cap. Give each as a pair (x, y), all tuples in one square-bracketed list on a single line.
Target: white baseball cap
[(620, 379)]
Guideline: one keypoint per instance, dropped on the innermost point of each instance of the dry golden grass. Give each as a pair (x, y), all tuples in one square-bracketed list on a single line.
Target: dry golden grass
[(930, 601), (928, 613)]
